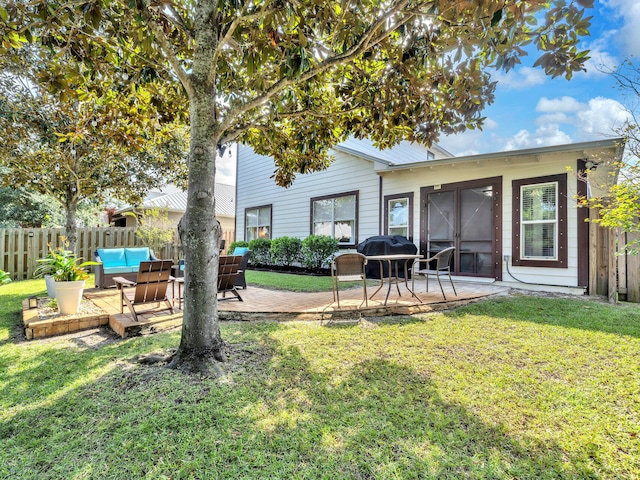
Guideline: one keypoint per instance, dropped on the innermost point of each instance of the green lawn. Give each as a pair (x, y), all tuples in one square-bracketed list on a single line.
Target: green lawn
[(520, 387), (296, 283)]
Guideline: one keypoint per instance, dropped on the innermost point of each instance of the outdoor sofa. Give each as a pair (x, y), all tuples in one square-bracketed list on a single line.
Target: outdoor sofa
[(120, 262)]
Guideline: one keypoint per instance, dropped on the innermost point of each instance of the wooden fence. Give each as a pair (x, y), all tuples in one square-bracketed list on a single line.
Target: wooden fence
[(20, 248)]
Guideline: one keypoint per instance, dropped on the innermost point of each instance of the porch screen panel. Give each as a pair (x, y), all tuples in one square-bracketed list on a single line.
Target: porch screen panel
[(476, 230), (441, 215)]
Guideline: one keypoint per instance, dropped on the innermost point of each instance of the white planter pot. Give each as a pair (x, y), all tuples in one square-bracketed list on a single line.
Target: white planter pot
[(51, 286), (68, 296)]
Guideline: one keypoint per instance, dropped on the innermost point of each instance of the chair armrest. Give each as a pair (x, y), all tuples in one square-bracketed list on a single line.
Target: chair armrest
[(123, 282)]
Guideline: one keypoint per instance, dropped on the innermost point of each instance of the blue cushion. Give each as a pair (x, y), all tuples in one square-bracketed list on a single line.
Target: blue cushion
[(136, 255), (121, 269), (240, 250), (112, 257)]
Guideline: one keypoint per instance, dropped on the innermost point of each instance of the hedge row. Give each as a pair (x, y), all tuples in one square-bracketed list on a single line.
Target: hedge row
[(314, 252)]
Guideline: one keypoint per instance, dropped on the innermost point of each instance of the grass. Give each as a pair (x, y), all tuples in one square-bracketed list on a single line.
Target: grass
[(520, 387), (296, 283)]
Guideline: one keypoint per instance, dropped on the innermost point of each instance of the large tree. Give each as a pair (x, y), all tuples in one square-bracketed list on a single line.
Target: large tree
[(293, 78), (74, 135)]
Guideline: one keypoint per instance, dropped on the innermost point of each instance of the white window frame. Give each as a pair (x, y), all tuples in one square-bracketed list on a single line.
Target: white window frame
[(258, 224), (554, 221)]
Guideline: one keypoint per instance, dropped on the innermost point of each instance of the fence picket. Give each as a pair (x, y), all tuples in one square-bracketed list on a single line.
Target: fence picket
[(20, 248)]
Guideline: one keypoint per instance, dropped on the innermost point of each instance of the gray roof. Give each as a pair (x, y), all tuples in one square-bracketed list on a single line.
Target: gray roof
[(177, 201), (403, 152)]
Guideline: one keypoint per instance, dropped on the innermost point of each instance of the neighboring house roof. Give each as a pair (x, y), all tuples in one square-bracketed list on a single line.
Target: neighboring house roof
[(403, 152), (176, 201)]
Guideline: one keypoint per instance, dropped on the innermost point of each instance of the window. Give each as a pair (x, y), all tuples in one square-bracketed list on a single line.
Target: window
[(540, 218), (336, 216), (257, 222), (398, 215)]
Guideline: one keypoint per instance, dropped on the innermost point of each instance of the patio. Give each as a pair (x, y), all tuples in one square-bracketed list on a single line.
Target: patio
[(263, 304)]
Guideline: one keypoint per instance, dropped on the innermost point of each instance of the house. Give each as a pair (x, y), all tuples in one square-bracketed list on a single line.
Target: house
[(175, 200), (512, 216)]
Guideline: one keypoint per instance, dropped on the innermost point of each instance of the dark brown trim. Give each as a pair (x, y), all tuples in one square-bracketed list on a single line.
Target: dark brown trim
[(380, 205), (561, 262), (496, 183), (387, 198), (583, 229), (356, 193), (244, 230)]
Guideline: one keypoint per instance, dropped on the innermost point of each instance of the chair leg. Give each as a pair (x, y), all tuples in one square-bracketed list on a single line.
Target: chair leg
[(452, 285), (366, 298), (440, 283)]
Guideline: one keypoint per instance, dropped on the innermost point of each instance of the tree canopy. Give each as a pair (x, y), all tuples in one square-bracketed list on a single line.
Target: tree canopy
[(73, 134), (293, 79)]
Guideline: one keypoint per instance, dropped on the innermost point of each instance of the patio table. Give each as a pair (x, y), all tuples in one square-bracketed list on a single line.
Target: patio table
[(393, 260)]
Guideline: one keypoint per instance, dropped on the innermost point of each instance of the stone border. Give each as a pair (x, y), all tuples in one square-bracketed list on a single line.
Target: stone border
[(35, 328)]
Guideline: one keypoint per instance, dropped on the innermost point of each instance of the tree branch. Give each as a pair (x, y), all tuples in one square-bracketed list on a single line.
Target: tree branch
[(167, 49), (368, 40)]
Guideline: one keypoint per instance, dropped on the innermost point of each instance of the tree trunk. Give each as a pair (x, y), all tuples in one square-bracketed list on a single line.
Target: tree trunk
[(201, 346), (70, 228)]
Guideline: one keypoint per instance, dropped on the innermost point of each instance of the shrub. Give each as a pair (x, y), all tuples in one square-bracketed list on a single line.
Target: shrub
[(286, 250), (239, 243), (260, 251), (318, 250), (4, 278)]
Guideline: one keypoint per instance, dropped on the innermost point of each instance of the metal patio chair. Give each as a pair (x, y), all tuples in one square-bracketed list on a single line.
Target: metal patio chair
[(442, 261), (348, 267)]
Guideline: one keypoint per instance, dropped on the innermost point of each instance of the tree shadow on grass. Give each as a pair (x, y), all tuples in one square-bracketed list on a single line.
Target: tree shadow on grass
[(278, 414)]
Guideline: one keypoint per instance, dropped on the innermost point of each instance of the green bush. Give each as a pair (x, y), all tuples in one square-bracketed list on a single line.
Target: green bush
[(4, 278), (260, 251), (239, 243), (318, 251), (286, 250)]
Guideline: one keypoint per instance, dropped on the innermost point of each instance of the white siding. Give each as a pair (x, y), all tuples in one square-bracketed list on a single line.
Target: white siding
[(411, 180), (291, 206)]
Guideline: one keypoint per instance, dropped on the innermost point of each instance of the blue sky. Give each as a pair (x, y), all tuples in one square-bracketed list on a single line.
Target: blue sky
[(532, 110)]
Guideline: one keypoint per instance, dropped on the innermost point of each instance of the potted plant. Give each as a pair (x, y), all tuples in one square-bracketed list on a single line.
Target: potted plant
[(49, 265), (68, 275)]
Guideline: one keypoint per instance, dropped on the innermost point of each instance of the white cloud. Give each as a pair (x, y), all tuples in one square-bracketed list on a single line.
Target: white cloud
[(545, 135), (520, 78), (558, 117), (629, 34), (582, 122), (555, 105), (601, 118)]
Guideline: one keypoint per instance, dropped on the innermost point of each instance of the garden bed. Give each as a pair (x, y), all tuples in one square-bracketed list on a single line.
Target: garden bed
[(45, 321)]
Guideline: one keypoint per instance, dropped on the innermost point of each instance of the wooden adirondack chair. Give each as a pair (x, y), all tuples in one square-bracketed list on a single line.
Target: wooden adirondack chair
[(228, 270), (151, 287)]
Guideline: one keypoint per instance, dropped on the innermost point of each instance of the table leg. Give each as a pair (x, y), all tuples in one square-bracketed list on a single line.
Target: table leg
[(406, 279)]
